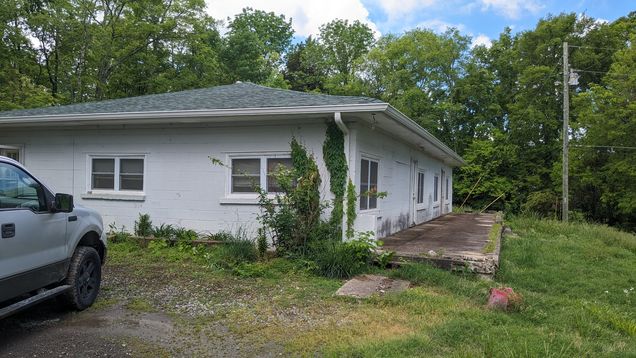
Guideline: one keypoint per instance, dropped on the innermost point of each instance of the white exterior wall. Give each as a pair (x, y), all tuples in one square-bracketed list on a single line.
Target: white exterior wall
[(395, 176), (182, 186)]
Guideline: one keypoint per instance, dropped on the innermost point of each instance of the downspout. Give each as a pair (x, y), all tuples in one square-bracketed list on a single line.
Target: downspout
[(347, 151), (343, 127)]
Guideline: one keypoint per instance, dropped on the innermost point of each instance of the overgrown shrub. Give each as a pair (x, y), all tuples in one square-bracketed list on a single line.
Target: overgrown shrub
[(116, 234), (261, 244), (292, 218), (542, 203), (163, 231), (185, 235), (335, 259), (220, 236), (237, 250), (143, 226)]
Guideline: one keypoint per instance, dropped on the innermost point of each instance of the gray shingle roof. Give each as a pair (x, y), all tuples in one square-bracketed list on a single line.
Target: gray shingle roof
[(238, 95)]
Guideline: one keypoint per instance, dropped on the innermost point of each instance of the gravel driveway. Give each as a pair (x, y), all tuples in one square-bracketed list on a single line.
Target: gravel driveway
[(115, 327)]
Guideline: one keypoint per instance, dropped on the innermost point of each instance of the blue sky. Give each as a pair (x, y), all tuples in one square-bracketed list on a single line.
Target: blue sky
[(482, 19)]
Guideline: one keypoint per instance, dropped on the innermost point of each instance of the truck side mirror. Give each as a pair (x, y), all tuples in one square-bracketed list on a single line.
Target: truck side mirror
[(63, 203)]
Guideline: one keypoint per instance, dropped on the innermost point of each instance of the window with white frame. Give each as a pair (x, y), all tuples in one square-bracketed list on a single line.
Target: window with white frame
[(117, 173), (447, 181), (436, 188), (368, 184), (249, 172), (12, 152), (420, 187)]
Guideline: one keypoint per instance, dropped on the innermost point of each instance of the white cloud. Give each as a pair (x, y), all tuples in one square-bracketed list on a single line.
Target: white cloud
[(307, 15), (439, 25), (512, 9), (394, 9), (481, 40)]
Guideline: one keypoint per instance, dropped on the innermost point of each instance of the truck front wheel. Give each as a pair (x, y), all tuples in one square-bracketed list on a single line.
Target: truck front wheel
[(84, 277)]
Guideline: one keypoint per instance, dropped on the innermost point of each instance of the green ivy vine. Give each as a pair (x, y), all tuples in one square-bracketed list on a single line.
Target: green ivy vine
[(336, 162), (352, 199)]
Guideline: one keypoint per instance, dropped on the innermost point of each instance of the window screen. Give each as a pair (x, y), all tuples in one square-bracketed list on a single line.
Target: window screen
[(131, 174), (103, 175), (368, 184), (436, 188), (273, 165), (246, 175), (420, 188)]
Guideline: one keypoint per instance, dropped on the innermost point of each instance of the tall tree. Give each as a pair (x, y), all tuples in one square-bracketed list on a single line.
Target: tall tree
[(344, 45), (18, 61), (417, 72), (604, 163), (255, 46), (305, 67)]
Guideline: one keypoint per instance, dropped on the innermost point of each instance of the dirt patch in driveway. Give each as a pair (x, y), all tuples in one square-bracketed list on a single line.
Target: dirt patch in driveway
[(128, 319)]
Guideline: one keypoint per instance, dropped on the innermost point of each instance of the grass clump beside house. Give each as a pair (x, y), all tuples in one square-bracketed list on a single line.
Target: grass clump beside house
[(577, 281), (493, 238)]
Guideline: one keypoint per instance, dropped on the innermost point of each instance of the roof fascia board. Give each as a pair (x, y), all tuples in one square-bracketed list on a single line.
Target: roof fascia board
[(166, 116)]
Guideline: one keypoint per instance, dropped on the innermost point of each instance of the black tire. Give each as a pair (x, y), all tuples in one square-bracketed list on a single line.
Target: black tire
[(84, 276)]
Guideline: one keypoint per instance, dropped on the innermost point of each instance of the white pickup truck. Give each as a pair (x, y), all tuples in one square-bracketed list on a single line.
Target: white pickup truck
[(48, 246)]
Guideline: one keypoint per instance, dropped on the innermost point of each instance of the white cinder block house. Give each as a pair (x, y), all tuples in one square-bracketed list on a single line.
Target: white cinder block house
[(151, 154)]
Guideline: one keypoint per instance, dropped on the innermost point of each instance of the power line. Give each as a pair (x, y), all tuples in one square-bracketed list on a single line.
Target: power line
[(597, 48), (603, 146)]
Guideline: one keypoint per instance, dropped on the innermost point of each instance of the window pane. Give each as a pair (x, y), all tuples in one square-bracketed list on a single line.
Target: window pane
[(364, 184), (373, 185), (104, 181), (373, 201), (446, 197), (245, 175), (131, 166), (435, 188), (273, 165), (104, 166), (374, 175), (19, 190), (246, 167), (420, 188), (364, 171), (364, 200), (244, 184), (131, 182)]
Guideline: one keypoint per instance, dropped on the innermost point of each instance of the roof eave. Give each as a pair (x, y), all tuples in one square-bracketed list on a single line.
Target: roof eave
[(170, 116), (455, 159)]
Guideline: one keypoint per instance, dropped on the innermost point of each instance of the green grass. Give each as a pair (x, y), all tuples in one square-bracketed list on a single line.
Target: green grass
[(576, 280), (493, 236)]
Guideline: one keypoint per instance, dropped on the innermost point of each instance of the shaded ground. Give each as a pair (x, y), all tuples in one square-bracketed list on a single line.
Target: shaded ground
[(448, 241)]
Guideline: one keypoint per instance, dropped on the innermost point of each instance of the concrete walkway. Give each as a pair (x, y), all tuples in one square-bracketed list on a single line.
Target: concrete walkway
[(453, 241)]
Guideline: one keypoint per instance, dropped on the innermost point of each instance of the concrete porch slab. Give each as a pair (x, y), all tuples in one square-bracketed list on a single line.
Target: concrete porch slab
[(453, 241), (365, 286)]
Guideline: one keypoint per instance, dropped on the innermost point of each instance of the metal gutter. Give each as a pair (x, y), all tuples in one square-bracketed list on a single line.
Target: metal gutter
[(163, 116)]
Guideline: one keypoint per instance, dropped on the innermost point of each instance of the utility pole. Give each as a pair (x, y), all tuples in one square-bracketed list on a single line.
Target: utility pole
[(566, 115)]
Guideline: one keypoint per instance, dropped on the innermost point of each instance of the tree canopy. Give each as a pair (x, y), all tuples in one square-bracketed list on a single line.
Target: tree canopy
[(498, 106)]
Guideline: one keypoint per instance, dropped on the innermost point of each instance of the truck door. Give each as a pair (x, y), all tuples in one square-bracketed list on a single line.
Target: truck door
[(33, 239)]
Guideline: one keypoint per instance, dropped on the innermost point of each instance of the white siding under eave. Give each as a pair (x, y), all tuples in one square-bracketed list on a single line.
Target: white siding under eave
[(182, 186), (396, 177)]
